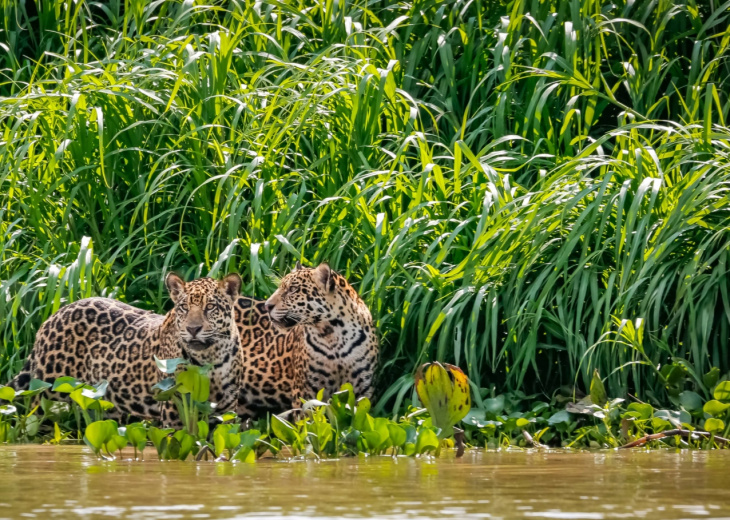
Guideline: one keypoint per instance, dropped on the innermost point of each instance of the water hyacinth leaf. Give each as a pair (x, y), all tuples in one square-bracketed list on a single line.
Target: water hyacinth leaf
[(722, 391), (659, 424), (598, 390), (169, 366), (475, 417), (284, 430), (714, 425), (227, 417), (444, 391), (32, 424), (79, 398), (643, 411), (359, 420), (323, 432), (137, 435), (206, 407), (117, 443), (165, 389), (249, 438), (397, 435), (690, 401), (711, 378), (157, 436), (66, 384), (427, 441), (172, 450), (203, 429), (99, 433), (7, 393), (186, 444), (715, 407), (233, 439), (219, 441), (373, 439), (494, 405), (195, 383), (36, 387), (95, 392), (245, 454), (676, 417), (559, 417)]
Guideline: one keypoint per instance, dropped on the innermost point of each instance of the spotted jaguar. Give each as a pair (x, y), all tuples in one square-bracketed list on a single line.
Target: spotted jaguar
[(313, 333), (99, 339)]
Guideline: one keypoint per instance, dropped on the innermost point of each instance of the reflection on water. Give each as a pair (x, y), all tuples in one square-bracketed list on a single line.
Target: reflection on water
[(69, 482)]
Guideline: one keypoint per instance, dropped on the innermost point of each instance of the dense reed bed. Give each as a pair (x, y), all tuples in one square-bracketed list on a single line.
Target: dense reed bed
[(528, 189)]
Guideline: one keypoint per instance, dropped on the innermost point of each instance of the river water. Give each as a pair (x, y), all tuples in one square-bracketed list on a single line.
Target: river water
[(69, 482)]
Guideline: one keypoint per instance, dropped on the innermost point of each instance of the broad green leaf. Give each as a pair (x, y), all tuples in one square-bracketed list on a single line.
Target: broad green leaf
[(559, 417), (36, 387), (495, 405), (165, 389), (598, 391), (283, 430), (7, 393), (722, 391), (98, 433), (690, 401), (427, 441), (157, 436), (116, 443), (137, 435), (194, 383), (186, 442), (713, 425), (66, 385), (644, 411), (219, 441), (710, 378), (169, 366), (361, 413), (715, 407), (203, 429), (397, 435)]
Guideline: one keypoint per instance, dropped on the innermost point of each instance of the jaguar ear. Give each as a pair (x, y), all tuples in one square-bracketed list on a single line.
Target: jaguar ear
[(298, 266), (175, 286), (231, 285), (326, 277)]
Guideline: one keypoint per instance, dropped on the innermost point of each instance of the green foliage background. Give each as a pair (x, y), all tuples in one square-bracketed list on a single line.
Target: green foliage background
[(503, 182)]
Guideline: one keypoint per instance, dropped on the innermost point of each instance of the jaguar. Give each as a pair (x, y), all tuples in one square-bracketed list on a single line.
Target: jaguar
[(97, 339), (314, 333)]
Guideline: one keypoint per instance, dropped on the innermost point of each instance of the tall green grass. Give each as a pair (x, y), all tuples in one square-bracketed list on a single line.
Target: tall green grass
[(504, 182)]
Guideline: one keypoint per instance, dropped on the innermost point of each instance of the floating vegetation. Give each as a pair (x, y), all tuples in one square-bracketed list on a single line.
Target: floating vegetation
[(345, 426)]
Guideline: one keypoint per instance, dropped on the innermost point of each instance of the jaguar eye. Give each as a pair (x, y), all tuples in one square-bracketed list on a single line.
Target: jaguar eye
[(210, 307), (183, 307)]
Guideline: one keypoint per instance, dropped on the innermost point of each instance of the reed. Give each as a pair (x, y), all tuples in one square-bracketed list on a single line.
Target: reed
[(505, 183)]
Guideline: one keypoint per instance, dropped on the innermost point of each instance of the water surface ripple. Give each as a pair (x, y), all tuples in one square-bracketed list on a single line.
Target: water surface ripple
[(69, 482)]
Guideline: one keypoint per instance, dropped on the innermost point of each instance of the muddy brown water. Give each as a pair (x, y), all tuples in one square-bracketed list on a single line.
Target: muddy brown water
[(69, 482)]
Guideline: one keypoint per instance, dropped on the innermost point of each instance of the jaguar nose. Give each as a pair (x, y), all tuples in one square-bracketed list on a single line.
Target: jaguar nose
[(194, 329), (268, 305)]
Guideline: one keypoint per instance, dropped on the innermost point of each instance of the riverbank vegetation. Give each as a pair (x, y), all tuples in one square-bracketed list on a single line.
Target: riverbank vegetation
[(440, 419), (529, 190)]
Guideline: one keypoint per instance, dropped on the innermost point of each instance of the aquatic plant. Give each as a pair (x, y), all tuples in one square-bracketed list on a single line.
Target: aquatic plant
[(189, 389)]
